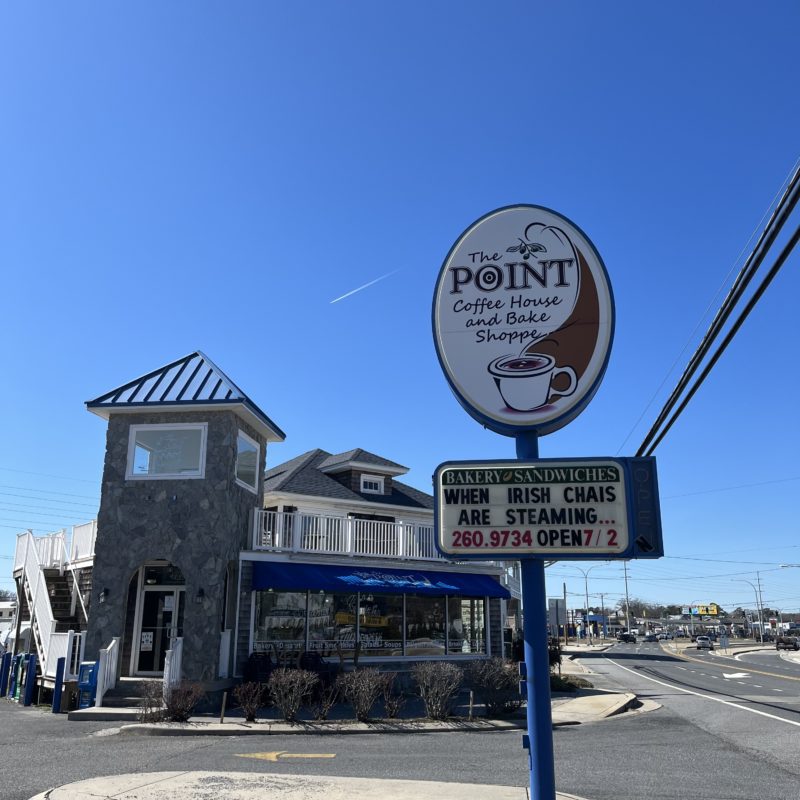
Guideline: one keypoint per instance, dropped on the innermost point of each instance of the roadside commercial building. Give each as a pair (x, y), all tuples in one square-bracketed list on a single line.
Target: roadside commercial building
[(199, 557)]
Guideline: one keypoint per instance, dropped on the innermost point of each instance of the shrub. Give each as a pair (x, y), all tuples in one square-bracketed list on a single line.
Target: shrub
[(151, 706), (497, 682), (290, 688), (324, 699), (392, 703), (251, 697), (180, 700), (361, 689), (438, 683)]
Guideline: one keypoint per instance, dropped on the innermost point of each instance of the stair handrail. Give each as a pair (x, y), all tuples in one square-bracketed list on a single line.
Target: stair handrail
[(75, 588), (43, 622), (107, 670)]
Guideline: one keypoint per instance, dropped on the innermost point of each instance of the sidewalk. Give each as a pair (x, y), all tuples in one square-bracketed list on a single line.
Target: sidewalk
[(266, 786)]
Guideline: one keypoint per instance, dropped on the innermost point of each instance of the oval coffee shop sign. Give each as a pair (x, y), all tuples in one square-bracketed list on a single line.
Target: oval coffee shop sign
[(523, 319)]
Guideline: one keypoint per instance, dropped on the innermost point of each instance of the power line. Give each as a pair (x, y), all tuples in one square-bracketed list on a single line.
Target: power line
[(43, 500), (729, 488), (50, 513), (45, 475), (25, 526), (775, 564), (776, 222), (779, 262), (47, 491), (711, 303)]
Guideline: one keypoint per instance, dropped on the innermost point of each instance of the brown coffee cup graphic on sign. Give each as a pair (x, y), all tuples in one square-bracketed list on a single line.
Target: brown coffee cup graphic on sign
[(535, 378)]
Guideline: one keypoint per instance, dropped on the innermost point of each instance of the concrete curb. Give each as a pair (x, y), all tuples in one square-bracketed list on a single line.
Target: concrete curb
[(264, 728), (571, 711)]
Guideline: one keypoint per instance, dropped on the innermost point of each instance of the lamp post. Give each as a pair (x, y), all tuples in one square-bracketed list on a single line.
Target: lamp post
[(627, 599), (787, 566), (585, 573), (758, 605)]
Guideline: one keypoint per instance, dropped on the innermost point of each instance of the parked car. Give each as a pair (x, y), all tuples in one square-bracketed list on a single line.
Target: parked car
[(650, 637), (627, 637), (787, 643), (704, 643)]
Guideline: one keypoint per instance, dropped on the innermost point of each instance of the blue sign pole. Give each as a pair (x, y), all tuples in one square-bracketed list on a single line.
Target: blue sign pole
[(537, 665)]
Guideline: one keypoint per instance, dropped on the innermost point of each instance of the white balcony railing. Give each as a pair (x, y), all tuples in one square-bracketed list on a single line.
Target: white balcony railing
[(319, 533), (83, 539)]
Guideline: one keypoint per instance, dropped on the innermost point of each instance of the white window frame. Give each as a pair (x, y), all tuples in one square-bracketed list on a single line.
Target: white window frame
[(252, 441), (377, 478), (201, 426)]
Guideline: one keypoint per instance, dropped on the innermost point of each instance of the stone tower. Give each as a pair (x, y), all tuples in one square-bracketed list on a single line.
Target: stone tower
[(184, 463)]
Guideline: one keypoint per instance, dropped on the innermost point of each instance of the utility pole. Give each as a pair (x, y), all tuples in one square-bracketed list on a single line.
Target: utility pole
[(586, 626), (566, 616), (761, 604), (627, 600), (603, 613)]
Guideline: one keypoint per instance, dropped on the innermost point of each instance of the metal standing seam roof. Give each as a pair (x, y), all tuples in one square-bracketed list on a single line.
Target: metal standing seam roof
[(192, 381)]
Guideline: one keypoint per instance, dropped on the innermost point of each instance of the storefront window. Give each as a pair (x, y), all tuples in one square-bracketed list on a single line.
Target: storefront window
[(280, 622), (380, 620), (425, 625), (332, 623), (466, 627)]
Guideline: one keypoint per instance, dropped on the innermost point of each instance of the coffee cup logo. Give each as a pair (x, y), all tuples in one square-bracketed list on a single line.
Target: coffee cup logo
[(523, 293), (524, 382)]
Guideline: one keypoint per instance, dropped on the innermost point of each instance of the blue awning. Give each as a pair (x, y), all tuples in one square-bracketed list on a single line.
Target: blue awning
[(316, 577)]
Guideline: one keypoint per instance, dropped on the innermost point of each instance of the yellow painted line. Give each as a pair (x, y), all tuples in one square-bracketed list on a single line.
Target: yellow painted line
[(723, 666), (281, 754)]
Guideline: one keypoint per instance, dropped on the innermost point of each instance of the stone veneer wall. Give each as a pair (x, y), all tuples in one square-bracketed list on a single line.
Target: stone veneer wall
[(199, 525)]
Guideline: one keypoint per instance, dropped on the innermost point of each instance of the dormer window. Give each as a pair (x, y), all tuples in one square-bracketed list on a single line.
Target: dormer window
[(372, 484), (247, 452), (158, 452)]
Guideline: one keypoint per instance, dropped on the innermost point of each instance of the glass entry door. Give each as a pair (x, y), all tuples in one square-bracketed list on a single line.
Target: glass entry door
[(161, 622)]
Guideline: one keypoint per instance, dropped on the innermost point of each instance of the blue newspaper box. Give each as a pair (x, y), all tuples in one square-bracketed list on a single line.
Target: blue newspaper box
[(87, 684)]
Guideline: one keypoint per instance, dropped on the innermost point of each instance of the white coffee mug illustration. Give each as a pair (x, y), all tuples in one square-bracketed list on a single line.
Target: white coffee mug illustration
[(524, 381)]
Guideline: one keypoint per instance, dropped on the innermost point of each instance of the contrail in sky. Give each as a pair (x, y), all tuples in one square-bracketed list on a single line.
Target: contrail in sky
[(364, 286)]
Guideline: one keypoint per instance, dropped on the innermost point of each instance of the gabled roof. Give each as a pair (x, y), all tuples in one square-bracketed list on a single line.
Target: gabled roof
[(304, 475), (194, 381), (356, 458)]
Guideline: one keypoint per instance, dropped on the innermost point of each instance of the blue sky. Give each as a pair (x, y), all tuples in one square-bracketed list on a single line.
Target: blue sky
[(211, 176)]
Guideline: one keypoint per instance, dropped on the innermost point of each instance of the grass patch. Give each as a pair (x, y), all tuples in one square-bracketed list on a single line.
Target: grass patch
[(568, 683)]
